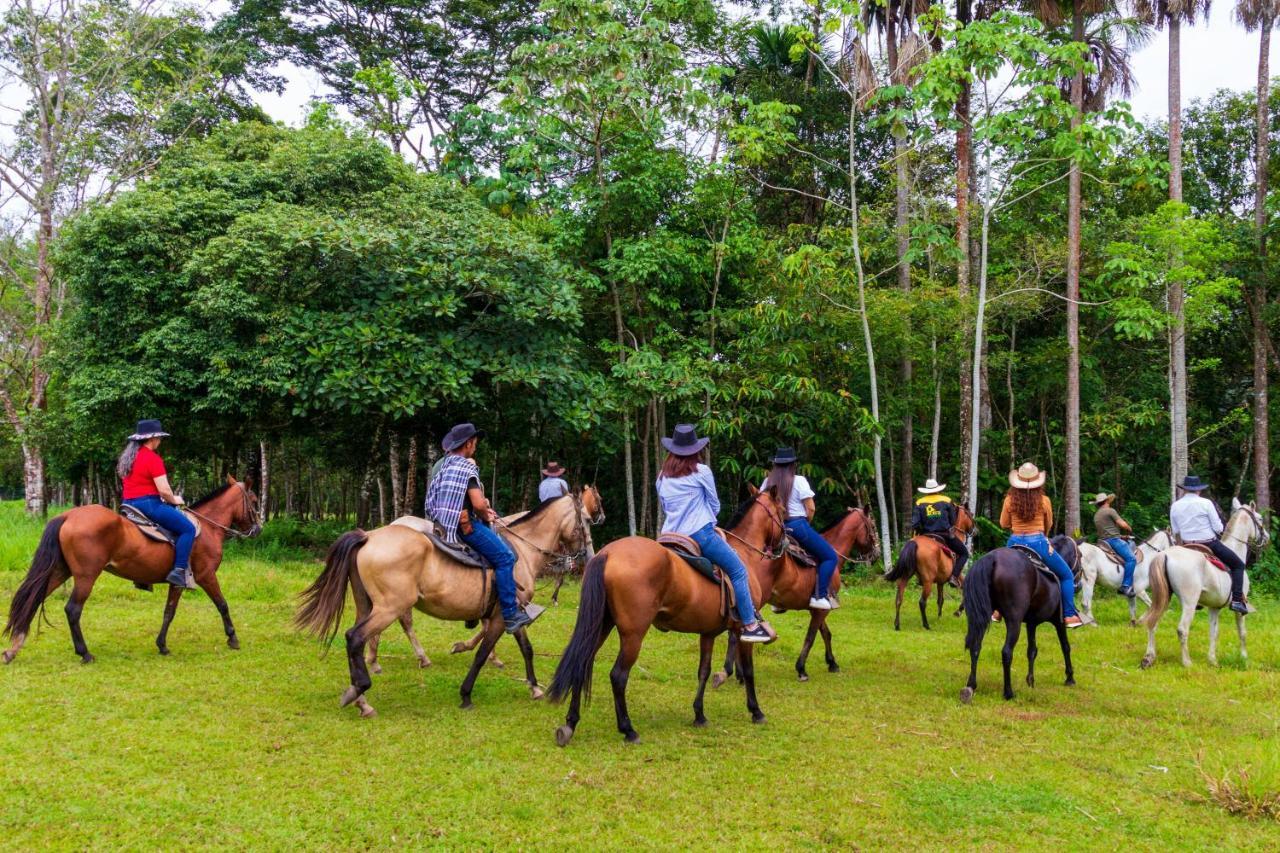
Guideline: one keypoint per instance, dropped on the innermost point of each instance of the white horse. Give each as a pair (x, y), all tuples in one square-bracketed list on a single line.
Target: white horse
[(1188, 574), (1096, 566)]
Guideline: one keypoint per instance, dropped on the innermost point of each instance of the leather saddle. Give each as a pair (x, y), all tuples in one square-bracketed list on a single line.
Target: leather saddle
[(688, 550), (942, 543), (1036, 561), (1209, 555), (802, 557), (150, 529), (459, 553), (1111, 555)]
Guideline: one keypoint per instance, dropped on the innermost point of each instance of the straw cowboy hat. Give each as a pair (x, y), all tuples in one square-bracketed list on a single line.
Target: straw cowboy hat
[(1026, 476), (1103, 497), (553, 469), (931, 487), (148, 429), (684, 441)]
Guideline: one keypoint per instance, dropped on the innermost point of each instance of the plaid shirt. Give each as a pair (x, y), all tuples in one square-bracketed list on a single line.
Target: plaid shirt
[(448, 492)]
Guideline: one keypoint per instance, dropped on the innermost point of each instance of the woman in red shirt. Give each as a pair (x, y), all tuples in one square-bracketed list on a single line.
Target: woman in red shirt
[(146, 488)]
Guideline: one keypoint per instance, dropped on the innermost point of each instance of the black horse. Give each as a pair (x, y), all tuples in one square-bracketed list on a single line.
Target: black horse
[(1005, 580)]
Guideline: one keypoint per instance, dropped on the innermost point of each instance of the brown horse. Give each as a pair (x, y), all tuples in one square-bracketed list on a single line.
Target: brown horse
[(396, 568), (84, 542), (788, 585), (925, 558), (635, 583)]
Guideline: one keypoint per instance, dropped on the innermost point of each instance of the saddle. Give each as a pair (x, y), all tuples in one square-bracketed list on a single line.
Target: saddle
[(941, 543), (150, 529), (1209, 555), (460, 552), (1110, 554), (1036, 561), (688, 550), (802, 557)]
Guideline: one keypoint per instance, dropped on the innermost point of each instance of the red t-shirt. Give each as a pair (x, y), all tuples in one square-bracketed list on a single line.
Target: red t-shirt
[(142, 479)]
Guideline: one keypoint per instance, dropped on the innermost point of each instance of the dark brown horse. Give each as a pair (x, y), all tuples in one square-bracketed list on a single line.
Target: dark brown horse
[(635, 583), (1005, 580), (84, 542), (788, 585), (925, 558)]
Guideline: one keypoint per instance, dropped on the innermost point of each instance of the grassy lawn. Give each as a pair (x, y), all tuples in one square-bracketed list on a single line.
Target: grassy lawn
[(210, 747)]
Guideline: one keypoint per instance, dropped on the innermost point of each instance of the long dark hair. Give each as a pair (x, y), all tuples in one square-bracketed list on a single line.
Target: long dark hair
[(784, 477), (1026, 504), (124, 465), (681, 466)]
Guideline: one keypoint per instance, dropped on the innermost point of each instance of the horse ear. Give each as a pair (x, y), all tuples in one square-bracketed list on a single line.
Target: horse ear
[(773, 491), (1253, 505), (752, 490), (231, 481)]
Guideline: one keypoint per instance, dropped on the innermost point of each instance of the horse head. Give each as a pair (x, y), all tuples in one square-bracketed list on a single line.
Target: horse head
[(1258, 534), (964, 520), (591, 504), (759, 520)]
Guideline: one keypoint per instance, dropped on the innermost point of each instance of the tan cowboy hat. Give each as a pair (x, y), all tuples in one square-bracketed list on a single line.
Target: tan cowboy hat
[(1027, 476), (1103, 497), (931, 487)]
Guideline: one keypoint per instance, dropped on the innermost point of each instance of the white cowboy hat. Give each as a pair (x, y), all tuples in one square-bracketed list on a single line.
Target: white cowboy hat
[(1027, 476), (1103, 497), (931, 487)]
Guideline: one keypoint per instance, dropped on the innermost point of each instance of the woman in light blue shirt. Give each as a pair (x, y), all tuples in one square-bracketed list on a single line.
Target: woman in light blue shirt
[(687, 491)]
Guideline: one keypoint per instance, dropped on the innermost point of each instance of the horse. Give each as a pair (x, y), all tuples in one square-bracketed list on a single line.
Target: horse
[(788, 585), (1096, 565), (635, 583), (590, 506), (395, 568), (82, 543), (1004, 579), (1187, 573), (925, 558)]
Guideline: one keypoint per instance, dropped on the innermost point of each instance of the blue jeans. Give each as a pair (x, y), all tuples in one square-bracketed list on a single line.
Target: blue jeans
[(802, 531), (1121, 547), (171, 519), (499, 554), (718, 551), (1040, 544)]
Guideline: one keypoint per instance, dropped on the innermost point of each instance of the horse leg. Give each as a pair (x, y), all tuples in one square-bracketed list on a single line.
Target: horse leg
[(897, 605), (1086, 592), (1184, 625), (706, 645), (1213, 636), (1013, 627), (555, 593), (746, 660), (170, 608), (730, 655), (565, 732), (211, 587), (628, 651), (926, 589), (56, 579), (1032, 651), (1240, 632), (75, 605), (832, 666), (406, 622), (468, 645), (966, 694), (942, 586), (526, 649), (492, 630), (380, 616), (1065, 643), (808, 644)]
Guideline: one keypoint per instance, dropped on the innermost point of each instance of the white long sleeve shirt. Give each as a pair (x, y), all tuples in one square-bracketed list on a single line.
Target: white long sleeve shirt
[(1195, 519)]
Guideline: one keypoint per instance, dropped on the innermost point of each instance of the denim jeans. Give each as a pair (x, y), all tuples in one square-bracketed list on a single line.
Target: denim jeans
[(718, 551), (1122, 548), (1040, 544), (811, 540), (492, 547), (171, 519)]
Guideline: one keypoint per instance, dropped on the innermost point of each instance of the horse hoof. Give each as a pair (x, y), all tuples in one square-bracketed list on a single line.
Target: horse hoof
[(536, 692), (631, 737), (349, 695), (1147, 662), (564, 734), (458, 648), (757, 718), (375, 668), (368, 712), (1008, 697), (8, 657), (1031, 682), (87, 658), (466, 704), (700, 724), (233, 644), (718, 679), (833, 667), (1070, 682), (423, 663), (966, 695), (804, 676)]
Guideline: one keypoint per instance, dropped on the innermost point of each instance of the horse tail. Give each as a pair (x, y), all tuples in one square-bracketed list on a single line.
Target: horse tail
[(1158, 577), (323, 601), (977, 600), (47, 563), (906, 565), (574, 671)]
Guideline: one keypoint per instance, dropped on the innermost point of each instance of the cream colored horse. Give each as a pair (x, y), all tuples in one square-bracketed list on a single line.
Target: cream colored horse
[(396, 568), (1096, 566), (1188, 574)]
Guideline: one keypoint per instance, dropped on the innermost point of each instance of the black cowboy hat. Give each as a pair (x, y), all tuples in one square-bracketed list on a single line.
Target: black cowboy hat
[(553, 469), (1192, 483), (684, 441), (460, 435), (148, 429), (785, 456)]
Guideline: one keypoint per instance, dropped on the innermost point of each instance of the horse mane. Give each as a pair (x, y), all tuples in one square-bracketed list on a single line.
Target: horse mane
[(212, 496), (536, 511), (740, 513), (833, 525)]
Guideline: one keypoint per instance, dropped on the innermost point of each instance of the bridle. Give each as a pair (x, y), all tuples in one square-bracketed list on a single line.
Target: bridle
[(1254, 541), (871, 532), (775, 517), (233, 531), (584, 534)]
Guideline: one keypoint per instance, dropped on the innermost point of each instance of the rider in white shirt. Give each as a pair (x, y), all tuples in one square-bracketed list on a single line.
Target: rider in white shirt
[(1194, 519)]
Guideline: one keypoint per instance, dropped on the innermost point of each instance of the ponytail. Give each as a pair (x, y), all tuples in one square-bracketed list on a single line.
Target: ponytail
[(124, 465)]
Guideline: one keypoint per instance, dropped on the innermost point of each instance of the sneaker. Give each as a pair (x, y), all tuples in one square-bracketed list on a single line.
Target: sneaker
[(1127, 592), (822, 603), (755, 635), (518, 621), (1239, 605), (1073, 622)]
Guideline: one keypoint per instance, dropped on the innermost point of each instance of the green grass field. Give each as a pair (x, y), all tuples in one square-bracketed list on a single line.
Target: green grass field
[(214, 748)]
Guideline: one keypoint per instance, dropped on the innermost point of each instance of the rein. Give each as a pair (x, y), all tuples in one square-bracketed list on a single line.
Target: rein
[(875, 543), (782, 541), (240, 534), (568, 556)]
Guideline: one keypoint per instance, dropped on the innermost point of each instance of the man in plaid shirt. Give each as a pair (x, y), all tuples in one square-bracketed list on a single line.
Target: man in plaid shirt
[(456, 486)]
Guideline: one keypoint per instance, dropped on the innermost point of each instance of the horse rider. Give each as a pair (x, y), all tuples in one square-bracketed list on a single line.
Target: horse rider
[(1028, 516), (687, 492), (1113, 529), (1195, 521), (553, 484), (936, 515), (456, 501), (797, 497), (145, 487)]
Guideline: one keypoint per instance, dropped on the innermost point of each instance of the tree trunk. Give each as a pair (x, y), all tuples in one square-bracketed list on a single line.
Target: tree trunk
[(366, 484), (33, 477), (1178, 348), (937, 411), (411, 479), (903, 241), (964, 147), (264, 484), (397, 474), (1071, 496), (382, 502), (975, 377), (1261, 390)]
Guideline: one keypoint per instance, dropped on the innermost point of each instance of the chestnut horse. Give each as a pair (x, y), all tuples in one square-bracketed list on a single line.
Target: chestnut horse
[(787, 585), (635, 583), (925, 558), (84, 542)]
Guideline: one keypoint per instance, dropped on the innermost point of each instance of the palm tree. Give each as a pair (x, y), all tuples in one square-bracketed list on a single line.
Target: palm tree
[(1261, 15), (1173, 14)]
